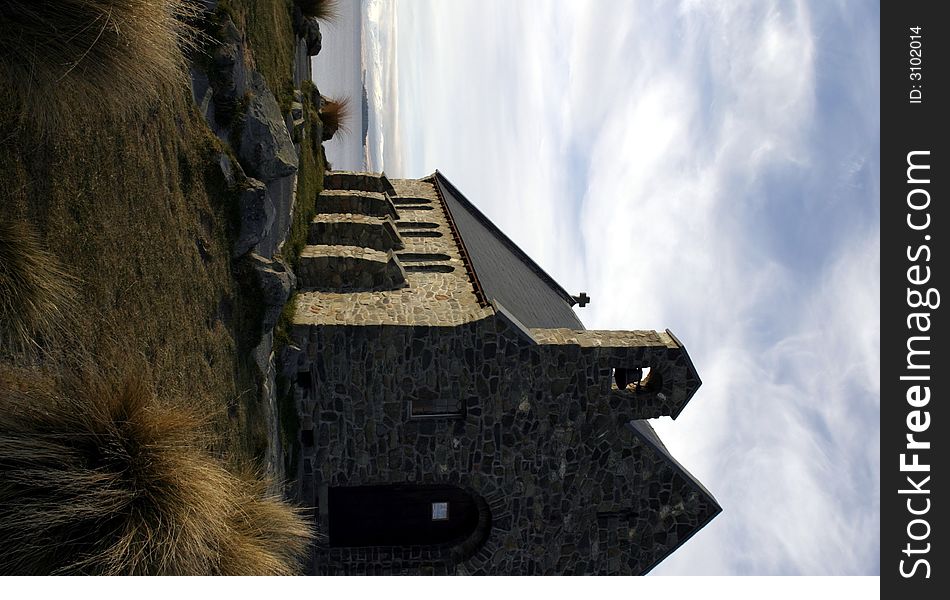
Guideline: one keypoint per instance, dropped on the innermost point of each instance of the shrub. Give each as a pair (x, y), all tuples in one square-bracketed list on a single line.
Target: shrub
[(98, 477), (82, 58), (36, 293), (334, 113), (327, 11)]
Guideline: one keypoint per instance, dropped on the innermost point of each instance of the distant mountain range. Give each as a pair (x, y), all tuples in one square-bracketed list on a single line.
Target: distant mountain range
[(364, 107)]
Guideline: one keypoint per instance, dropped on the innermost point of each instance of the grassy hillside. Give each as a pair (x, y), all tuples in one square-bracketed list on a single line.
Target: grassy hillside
[(269, 30), (134, 207)]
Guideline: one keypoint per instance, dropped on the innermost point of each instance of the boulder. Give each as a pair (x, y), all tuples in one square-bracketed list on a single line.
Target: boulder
[(276, 282), (257, 216), (266, 149), (310, 32)]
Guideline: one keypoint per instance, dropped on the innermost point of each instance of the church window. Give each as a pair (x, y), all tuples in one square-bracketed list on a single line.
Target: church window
[(410, 200), (416, 225), (440, 511), (407, 257), (436, 407), (418, 229), (635, 379)]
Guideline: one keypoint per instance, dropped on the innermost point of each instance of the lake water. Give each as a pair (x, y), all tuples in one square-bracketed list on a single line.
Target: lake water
[(337, 72)]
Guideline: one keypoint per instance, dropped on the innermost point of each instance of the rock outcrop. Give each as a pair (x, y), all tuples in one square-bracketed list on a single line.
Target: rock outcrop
[(246, 116), (310, 32), (266, 149), (276, 283), (257, 216)]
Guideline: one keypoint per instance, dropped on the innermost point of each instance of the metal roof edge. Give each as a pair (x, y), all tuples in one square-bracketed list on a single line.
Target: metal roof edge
[(441, 179)]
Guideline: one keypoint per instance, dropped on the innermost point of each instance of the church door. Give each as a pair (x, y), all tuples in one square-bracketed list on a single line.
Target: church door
[(400, 515)]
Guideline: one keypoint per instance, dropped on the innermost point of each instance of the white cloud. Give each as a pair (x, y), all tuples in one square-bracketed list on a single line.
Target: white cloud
[(634, 150), (787, 439)]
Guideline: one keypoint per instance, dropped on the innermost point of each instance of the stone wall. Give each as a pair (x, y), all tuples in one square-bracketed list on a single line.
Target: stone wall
[(570, 487), (441, 293)]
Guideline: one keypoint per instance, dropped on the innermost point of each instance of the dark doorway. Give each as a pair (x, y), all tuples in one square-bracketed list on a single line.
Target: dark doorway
[(400, 515)]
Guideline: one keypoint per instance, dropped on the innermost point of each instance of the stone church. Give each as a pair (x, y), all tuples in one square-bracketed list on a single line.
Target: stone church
[(456, 416)]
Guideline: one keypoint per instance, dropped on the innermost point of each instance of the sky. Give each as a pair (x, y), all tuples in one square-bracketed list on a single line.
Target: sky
[(337, 72), (708, 167)]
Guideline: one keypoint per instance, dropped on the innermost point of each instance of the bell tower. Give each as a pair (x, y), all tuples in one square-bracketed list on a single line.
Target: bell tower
[(647, 372)]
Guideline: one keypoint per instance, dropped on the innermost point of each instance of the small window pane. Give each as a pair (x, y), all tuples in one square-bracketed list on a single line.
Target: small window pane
[(440, 406), (440, 511)]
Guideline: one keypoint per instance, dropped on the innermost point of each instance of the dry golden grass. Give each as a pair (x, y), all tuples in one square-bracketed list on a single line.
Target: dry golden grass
[(335, 114), (99, 477), (135, 205), (139, 211), (262, 534), (36, 293), (325, 10), (71, 59)]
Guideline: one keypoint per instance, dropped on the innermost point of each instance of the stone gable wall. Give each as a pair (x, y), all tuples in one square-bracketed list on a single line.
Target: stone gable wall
[(571, 489)]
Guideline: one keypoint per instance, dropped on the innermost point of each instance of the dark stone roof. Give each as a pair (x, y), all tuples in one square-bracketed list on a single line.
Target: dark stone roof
[(645, 432), (505, 273)]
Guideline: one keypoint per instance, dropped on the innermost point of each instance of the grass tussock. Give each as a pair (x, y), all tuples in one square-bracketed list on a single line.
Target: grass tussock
[(98, 477), (263, 535), (335, 115), (82, 58), (327, 11), (36, 293)]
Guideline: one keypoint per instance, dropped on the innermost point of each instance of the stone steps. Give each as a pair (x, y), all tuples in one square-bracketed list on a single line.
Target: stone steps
[(347, 229), (358, 181), (373, 204)]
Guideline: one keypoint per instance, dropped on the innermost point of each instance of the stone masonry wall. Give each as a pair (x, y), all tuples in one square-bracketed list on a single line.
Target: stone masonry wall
[(570, 488)]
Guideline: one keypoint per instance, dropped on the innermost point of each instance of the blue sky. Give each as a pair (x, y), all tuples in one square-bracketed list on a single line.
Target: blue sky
[(711, 167)]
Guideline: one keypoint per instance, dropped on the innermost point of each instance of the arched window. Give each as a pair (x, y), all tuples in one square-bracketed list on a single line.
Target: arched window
[(417, 268), (636, 379), (430, 233)]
